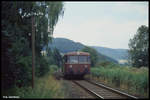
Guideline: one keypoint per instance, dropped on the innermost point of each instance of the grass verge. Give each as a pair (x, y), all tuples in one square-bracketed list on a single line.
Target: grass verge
[(132, 80), (45, 87)]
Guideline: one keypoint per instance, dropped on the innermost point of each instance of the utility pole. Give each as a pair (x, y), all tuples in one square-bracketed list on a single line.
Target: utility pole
[(33, 50)]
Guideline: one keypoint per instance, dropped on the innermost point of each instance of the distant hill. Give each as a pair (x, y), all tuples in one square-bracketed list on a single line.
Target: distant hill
[(117, 54), (106, 58), (65, 45)]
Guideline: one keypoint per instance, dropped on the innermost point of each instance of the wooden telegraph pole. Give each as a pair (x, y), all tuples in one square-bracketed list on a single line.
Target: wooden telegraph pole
[(33, 50)]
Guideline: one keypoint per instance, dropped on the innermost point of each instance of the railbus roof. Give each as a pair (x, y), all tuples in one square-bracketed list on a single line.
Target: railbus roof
[(77, 53)]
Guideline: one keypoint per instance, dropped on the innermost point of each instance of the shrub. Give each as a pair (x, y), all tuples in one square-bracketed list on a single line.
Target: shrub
[(95, 72), (45, 87), (42, 66), (53, 68), (23, 71), (104, 63)]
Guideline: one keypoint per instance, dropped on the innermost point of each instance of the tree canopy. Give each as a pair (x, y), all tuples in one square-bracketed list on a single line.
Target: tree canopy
[(16, 38), (139, 47)]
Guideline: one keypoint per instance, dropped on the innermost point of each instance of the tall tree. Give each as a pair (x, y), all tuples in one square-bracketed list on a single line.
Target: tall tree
[(16, 37), (57, 57), (139, 47)]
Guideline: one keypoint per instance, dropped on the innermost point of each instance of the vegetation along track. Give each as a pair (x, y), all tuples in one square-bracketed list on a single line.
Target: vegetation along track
[(102, 91)]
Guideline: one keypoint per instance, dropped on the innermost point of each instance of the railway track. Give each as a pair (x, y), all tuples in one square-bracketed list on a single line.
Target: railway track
[(101, 91)]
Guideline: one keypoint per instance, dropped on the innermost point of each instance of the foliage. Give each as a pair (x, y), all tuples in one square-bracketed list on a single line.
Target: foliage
[(54, 57), (45, 87), (103, 64), (16, 39), (93, 55), (54, 11), (139, 47), (57, 57), (23, 71), (97, 57), (42, 66), (136, 80), (53, 68)]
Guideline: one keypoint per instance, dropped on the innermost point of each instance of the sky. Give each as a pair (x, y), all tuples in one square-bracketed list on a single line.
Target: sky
[(106, 24)]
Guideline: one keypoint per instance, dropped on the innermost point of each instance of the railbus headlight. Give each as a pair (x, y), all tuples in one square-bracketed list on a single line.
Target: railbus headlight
[(85, 66), (70, 66)]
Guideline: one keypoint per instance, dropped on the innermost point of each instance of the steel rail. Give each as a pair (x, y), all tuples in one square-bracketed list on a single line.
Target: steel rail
[(92, 92), (114, 90)]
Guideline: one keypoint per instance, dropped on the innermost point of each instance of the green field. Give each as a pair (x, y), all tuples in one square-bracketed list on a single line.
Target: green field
[(131, 79)]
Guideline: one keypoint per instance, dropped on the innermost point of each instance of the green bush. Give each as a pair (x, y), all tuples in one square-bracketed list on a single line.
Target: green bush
[(53, 68), (104, 63), (45, 87), (43, 69), (24, 71), (95, 72)]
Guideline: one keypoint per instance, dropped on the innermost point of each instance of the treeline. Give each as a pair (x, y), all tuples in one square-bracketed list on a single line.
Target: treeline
[(16, 51)]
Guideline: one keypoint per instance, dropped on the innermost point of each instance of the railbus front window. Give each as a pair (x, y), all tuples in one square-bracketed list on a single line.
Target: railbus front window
[(83, 59), (89, 60), (73, 59)]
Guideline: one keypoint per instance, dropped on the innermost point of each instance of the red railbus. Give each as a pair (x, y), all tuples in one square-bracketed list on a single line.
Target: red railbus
[(76, 64)]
